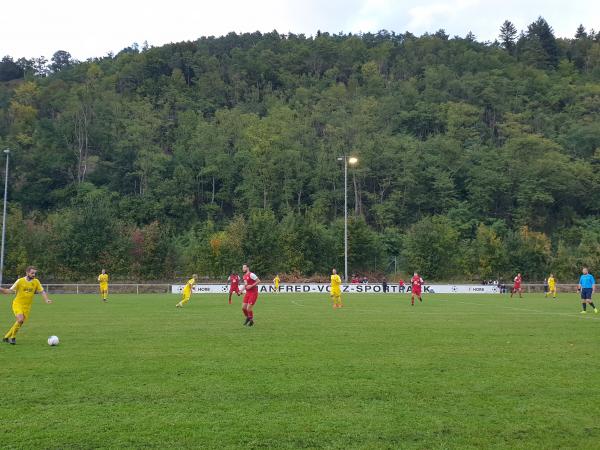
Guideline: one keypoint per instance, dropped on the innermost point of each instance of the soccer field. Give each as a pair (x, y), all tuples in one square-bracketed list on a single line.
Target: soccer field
[(454, 372)]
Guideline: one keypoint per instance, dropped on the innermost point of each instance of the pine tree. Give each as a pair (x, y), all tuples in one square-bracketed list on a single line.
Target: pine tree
[(580, 33), (508, 32), (541, 31)]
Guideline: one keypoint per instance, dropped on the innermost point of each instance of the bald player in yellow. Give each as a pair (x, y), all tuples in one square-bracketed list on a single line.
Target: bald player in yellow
[(336, 289), (103, 280), (186, 294), (25, 288)]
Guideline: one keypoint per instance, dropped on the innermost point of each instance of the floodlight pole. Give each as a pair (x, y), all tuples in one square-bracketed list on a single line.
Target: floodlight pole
[(345, 219), (345, 159), (7, 152)]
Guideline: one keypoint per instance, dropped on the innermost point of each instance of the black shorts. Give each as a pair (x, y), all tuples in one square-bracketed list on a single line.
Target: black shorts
[(586, 294), (545, 288)]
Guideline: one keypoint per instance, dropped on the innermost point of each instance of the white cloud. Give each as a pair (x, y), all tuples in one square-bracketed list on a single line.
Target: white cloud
[(426, 16)]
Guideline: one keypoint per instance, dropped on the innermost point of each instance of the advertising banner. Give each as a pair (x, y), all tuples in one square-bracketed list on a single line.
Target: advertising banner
[(322, 288)]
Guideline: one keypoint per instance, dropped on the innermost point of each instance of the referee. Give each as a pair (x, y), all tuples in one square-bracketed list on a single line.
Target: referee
[(587, 286)]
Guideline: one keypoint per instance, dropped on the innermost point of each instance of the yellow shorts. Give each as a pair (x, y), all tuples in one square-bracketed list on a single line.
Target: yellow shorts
[(336, 293), (19, 308), (104, 288)]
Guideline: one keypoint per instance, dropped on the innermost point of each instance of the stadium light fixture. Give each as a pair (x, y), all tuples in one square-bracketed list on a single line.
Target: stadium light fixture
[(352, 160), (7, 153)]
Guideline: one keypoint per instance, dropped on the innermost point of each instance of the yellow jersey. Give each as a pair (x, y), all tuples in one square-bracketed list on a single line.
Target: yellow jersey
[(276, 281), (551, 282), (336, 283), (187, 290), (103, 279), (25, 290)]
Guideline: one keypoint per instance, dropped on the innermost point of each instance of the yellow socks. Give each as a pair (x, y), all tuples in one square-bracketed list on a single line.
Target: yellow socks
[(13, 330)]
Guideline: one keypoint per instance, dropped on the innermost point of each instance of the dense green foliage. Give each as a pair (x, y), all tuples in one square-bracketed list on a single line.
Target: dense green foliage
[(455, 372), (475, 159)]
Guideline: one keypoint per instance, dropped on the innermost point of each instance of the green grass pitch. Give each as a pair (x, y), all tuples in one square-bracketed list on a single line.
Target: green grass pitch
[(457, 371)]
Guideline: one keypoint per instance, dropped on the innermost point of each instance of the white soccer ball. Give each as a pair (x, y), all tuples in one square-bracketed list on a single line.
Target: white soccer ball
[(53, 340)]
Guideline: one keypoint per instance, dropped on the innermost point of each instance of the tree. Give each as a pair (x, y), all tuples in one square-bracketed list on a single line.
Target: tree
[(430, 247), (508, 33), (540, 46), (488, 254), (529, 253), (580, 33), (60, 60), (225, 149), (9, 70)]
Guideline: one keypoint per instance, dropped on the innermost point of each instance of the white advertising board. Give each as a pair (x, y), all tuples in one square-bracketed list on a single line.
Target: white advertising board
[(320, 288)]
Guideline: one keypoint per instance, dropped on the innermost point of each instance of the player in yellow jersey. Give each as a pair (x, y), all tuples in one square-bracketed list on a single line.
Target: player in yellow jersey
[(25, 288), (103, 280), (187, 291), (551, 286), (336, 289), (276, 282)]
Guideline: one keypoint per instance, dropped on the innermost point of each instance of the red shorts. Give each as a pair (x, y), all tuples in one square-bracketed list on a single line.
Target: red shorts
[(516, 287), (416, 290), (251, 297), (235, 289)]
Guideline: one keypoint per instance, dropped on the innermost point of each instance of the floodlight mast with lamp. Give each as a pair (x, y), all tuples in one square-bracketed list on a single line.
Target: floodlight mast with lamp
[(347, 160)]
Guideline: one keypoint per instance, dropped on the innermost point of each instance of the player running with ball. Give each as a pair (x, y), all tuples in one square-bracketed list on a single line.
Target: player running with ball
[(25, 288), (251, 294)]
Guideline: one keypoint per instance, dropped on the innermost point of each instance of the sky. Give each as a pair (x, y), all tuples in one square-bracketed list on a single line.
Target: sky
[(93, 28)]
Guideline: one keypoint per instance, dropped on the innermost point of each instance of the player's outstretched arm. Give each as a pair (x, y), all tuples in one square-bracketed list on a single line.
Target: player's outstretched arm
[(46, 298), (7, 291)]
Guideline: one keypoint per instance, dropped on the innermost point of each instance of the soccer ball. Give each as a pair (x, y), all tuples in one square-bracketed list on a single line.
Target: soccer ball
[(53, 340)]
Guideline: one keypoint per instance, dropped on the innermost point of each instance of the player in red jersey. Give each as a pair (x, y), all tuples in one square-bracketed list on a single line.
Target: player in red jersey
[(401, 285), (517, 286), (251, 288), (417, 282), (234, 281)]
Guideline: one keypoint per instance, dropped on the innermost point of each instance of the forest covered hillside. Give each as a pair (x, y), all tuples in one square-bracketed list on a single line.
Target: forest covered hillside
[(476, 159)]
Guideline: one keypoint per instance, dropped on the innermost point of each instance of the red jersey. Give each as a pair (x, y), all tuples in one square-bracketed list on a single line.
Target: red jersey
[(518, 282), (250, 278), (401, 283), (416, 282), (234, 280)]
